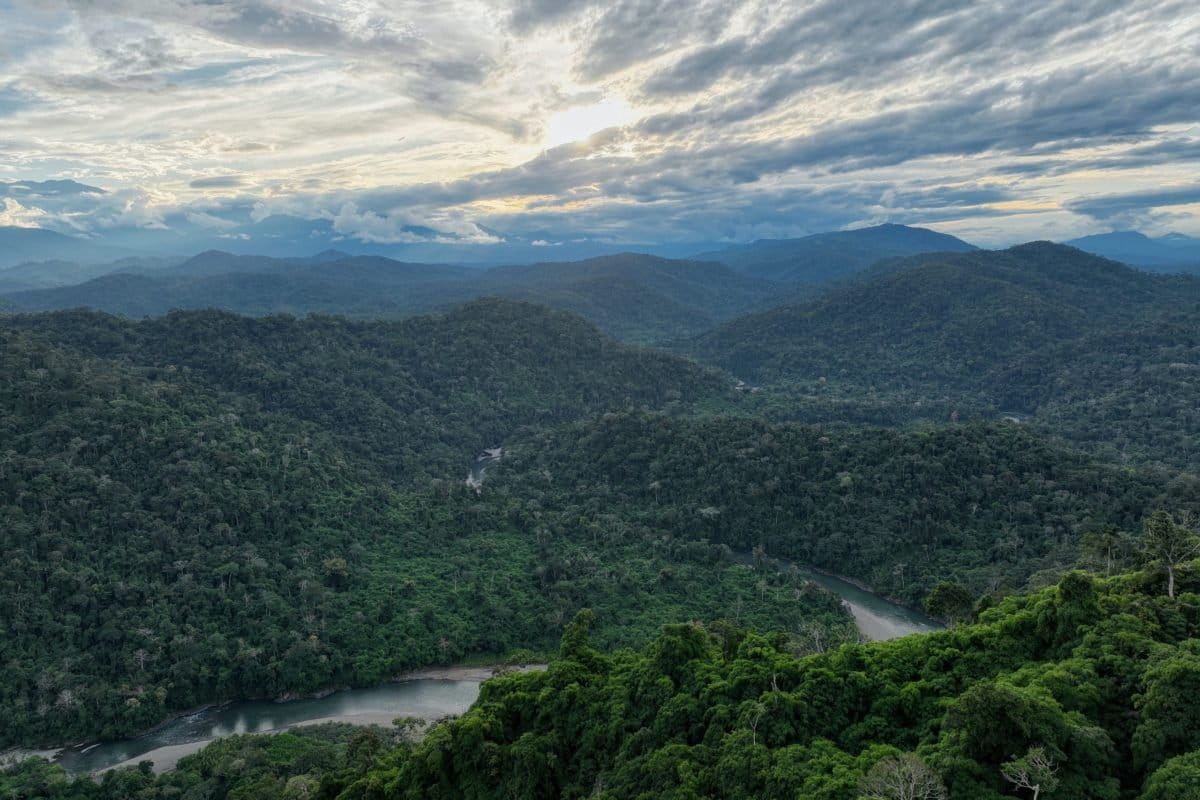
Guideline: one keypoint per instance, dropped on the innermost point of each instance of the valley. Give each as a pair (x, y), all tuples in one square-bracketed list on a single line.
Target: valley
[(204, 507)]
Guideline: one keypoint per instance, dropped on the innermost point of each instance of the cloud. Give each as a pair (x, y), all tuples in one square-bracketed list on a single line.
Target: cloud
[(47, 189), (1131, 209), (393, 121), (218, 182)]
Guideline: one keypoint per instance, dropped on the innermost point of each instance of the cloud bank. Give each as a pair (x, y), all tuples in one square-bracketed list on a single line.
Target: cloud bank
[(167, 123)]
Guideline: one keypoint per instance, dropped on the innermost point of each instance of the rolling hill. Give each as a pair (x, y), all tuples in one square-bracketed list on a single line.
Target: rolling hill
[(411, 398), (1039, 330), (205, 506), (631, 296)]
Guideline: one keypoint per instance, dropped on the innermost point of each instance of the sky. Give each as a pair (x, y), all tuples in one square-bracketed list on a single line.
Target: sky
[(171, 123)]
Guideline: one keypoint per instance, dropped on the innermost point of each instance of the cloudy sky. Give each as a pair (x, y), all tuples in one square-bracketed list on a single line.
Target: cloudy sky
[(394, 121)]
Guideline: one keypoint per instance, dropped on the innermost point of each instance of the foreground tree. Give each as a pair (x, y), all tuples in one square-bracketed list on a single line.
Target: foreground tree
[(902, 777), (1165, 540), (1034, 771), (1178, 779)]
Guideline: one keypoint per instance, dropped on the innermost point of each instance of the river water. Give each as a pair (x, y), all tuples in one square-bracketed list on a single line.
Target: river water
[(426, 699), (876, 618)]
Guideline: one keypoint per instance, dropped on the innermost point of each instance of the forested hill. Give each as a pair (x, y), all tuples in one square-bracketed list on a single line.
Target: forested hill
[(1097, 351), (634, 296), (987, 505), (834, 256), (215, 520), (410, 399)]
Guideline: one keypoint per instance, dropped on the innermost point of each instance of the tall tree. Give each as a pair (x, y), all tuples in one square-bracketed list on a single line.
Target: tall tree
[(1034, 771), (1165, 540), (902, 777)]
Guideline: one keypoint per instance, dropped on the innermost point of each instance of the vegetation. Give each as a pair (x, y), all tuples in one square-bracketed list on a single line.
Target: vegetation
[(168, 541), (1078, 690), (410, 400), (990, 506), (204, 506), (1095, 352)]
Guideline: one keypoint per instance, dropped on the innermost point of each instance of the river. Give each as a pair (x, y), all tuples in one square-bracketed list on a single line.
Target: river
[(877, 619), (428, 698)]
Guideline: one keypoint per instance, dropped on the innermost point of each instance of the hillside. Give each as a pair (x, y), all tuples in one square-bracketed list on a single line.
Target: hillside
[(207, 507), (414, 398), (1036, 329), (990, 506), (831, 257), (634, 296), (1083, 688)]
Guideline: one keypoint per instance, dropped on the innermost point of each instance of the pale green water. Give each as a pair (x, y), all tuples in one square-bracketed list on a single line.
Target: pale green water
[(427, 699), (877, 619)]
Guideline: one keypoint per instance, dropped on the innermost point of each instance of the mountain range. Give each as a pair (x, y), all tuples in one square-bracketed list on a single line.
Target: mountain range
[(1174, 252), (827, 257)]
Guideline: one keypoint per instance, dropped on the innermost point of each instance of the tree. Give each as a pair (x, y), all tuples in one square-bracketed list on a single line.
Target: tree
[(1108, 546), (902, 777), (1169, 542), (1034, 771), (950, 601), (1178, 779)]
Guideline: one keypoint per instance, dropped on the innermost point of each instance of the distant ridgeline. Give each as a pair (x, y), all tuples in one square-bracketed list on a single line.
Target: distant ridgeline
[(632, 296), (1085, 689)]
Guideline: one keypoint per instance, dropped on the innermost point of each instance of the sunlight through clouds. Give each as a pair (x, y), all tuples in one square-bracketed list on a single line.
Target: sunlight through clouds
[(675, 120)]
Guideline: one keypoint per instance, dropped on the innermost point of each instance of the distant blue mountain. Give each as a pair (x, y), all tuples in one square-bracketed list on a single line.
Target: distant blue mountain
[(828, 257), (21, 245), (1174, 252)]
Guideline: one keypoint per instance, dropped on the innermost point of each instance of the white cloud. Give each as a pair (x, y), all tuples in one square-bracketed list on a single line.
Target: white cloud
[(401, 120)]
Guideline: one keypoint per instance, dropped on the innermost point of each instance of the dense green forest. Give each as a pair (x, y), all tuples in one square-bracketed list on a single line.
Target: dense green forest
[(987, 505), (168, 541), (411, 399), (1082, 689), (1088, 349), (204, 506)]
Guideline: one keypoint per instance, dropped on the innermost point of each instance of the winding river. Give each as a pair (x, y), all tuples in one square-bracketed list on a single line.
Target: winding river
[(428, 696), (877, 619)]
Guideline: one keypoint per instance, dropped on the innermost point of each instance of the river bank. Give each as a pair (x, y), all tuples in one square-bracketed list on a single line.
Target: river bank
[(427, 694), (876, 617)]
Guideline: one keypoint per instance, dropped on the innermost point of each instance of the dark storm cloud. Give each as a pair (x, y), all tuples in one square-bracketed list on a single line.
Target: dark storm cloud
[(47, 189), (1121, 206), (832, 42), (1066, 108)]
